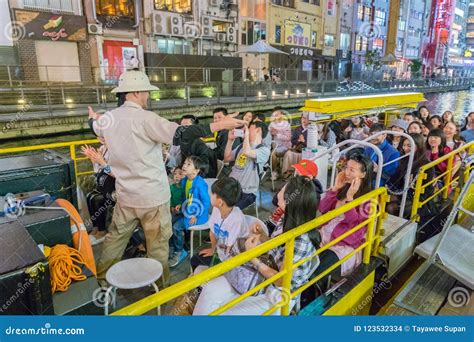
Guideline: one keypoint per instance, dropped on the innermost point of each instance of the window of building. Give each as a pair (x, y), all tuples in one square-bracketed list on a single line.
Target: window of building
[(360, 12), (179, 6), (361, 43), (286, 3), (378, 44), (367, 13), (278, 34), (119, 8), (174, 46), (345, 41), (313, 2), (380, 17), (314, 36), (328, 40), (402, 25), (399, 44)]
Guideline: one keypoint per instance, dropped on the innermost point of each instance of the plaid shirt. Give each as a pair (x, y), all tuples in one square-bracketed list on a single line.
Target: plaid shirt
[(303, 249)]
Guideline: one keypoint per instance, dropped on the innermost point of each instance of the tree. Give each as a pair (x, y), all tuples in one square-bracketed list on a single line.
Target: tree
[(415, 67), (372, 60)]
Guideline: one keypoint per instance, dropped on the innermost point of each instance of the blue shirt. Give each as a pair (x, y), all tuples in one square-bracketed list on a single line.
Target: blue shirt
[(389, 153), (468, 135)]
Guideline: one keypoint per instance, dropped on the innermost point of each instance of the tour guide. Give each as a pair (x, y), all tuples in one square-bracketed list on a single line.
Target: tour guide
[(134, 137)]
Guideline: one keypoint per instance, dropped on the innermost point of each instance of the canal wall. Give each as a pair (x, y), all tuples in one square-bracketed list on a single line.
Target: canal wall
[(25, 123)]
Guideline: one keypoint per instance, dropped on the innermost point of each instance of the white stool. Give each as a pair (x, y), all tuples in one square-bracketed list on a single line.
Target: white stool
[(132, 274)]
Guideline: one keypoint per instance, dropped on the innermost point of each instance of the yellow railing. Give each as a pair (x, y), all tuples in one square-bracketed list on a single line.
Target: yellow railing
[(72, 145), (449, 177), (377, 199)]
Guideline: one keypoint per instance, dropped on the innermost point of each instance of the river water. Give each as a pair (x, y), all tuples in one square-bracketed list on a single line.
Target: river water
[(459, 102)]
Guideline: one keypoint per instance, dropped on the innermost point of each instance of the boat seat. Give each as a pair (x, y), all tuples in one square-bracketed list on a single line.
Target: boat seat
[(455, 255)]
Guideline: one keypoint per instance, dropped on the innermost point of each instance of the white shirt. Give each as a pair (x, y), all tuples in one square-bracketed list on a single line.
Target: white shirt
[(227, 230), (134, 139)]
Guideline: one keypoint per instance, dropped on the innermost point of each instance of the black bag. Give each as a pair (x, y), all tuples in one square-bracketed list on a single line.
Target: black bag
[(106, 185)]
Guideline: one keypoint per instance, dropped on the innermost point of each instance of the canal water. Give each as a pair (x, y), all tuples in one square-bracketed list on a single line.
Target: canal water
[(459, 102)]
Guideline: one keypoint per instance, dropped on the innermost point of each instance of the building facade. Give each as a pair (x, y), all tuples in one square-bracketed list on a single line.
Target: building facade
[(370, 25), (470, 29), (51, 40), (297, 28)]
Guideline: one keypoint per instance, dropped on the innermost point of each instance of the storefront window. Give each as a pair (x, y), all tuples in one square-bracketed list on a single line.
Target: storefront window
[(179, 6), (328, 40), (378, 44), (345, 41), (120, 8)]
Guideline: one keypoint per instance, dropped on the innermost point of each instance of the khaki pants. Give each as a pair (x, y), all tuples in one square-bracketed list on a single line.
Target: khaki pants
[(156, 224)]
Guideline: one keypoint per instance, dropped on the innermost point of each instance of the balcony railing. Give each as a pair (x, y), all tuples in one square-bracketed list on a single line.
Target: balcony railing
[(63, 6)]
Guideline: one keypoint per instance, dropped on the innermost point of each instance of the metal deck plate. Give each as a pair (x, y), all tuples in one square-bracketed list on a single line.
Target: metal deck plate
[(456, 255)]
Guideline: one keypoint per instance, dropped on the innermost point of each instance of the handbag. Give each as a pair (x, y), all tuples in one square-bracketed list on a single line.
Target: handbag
[(245, 277)]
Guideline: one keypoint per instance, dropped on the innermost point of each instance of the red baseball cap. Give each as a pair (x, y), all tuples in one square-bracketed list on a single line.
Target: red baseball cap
[(307, 167)]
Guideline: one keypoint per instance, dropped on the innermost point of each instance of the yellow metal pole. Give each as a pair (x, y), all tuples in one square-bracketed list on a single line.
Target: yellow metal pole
[(370, 230), (447, 179), (418, 192), (384, 198), (72, 152), (286, 283)]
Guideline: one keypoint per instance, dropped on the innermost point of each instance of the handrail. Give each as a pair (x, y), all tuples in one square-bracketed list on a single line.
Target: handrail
[(359, 142), (70, 144), (377, 196), (449, 178)]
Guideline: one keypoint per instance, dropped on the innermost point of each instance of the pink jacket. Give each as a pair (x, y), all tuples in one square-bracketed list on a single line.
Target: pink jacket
[(352, 218)]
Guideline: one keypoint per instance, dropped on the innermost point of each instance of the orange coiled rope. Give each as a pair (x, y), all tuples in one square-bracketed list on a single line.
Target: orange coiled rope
[(64, 266)]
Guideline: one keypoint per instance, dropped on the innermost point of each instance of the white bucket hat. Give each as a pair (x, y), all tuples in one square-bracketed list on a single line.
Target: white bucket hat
[(133, 80)]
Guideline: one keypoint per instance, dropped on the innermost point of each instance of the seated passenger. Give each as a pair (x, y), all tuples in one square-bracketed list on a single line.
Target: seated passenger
[(401, 126), (389, 153), (227, 222), (195, 208), (280, 129), (352, 183), (467, 132), (298, 200), (450, 131), (396, 183), (436, 148), (249, 157), (305, 168), (299, 135)]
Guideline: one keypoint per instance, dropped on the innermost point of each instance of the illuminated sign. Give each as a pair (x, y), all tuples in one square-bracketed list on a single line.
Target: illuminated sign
[(48, 26), (298, 34)]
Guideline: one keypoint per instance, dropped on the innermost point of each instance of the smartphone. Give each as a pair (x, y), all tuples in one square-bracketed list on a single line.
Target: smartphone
[(239, 133)]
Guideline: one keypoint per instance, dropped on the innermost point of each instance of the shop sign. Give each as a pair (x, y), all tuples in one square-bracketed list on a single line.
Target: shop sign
[(307, 65), (298, 34), (330, 7), (49, 26), (301, 52)]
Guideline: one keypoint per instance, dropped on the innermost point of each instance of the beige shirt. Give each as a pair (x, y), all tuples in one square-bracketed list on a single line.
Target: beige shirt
[(134, 137)]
